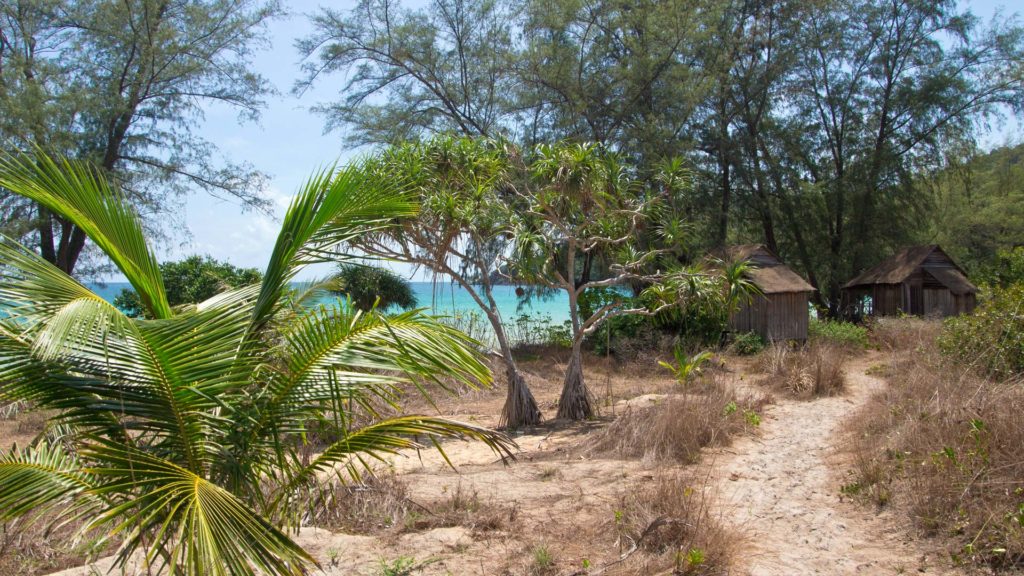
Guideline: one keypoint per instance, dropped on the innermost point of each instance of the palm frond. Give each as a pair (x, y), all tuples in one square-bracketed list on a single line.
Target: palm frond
[(202, 528), (339, 350), (390, 437), (37, 478), (333, 207), (80, 193)]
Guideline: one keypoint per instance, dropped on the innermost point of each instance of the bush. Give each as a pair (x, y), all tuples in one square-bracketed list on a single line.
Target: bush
[(676, 428), (945, 446), (839, 333), (671, 523), (991, 339), (371, 285), (190, 281), (747, 343), (812, 371)]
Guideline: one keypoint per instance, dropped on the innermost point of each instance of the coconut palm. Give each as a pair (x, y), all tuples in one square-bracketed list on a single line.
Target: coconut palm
[(185, 435)]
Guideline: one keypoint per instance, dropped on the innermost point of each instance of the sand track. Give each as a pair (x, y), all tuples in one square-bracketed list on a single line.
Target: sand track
[(782, 489)]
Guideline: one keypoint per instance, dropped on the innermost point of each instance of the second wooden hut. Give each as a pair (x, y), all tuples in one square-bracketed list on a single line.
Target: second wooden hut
[(918, 280)]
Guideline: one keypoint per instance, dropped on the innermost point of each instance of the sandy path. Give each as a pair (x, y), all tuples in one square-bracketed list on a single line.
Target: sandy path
[(782, 490)]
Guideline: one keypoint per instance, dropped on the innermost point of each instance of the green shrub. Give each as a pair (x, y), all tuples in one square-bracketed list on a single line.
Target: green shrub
[(991, 339), (836, 332), (748, 343)]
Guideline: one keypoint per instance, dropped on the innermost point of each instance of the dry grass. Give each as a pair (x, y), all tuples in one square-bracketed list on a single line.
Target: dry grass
[(43, 545), (679, 425), (669, 527), (811, 371), (904, 334), (381, 505), (946, 447)]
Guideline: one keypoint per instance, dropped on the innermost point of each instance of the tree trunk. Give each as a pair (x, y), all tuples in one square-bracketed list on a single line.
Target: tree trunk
[(520, 407), (576, 402)]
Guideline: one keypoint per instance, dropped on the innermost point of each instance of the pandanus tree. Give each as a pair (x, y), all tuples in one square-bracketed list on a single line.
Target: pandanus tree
[(578, 218), (184, 435), (462, 232)]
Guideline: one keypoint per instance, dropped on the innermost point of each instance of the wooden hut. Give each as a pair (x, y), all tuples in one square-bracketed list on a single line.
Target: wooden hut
[(920, 280), (782, 312)]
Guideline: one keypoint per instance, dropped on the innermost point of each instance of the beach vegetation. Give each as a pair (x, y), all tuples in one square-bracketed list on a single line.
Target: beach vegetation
[(373, 286), (184, 434), (191, 281)]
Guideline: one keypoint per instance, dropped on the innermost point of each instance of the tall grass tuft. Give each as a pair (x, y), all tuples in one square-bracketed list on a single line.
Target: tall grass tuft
[(679, 425), (809, 372), (945, 445), (670, 523)]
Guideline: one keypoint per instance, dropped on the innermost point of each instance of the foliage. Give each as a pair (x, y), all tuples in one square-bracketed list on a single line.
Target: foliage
[(978, 214), (804, 124), (460, 232), (186, 435), (123, 85), (374, 286), (992, 338), (1006, 269), (686, 366), (190, 281), (748, 343), (838, 332), (575, 215)]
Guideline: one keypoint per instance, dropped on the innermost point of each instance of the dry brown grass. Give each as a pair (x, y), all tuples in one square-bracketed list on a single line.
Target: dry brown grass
[(381, 505), (946, 447), (43, 545), (679, 425), (904, 334), (669, 527), (807, 372)]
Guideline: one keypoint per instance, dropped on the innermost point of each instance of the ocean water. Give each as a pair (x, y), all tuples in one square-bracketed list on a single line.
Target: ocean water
[(447, 299)]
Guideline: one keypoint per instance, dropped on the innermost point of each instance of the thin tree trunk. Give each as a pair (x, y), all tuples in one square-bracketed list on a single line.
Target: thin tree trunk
[(520, 407), (576, 402)]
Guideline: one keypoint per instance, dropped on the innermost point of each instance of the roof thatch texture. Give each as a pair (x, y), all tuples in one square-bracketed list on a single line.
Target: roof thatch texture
[(931, 258), (769, 274)]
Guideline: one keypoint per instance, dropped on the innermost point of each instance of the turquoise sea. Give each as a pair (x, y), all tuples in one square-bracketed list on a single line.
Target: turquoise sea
[(450, 300)]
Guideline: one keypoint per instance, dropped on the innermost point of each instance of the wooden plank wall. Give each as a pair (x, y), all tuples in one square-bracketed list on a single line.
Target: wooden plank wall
[(781, 316)]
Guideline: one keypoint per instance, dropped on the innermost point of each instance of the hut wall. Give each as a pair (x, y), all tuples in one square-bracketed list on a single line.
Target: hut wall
[(781, 316), (887, 299)]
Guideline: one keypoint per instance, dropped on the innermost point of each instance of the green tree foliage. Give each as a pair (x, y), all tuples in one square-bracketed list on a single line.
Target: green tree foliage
[(445, 67), (576, 216), (122, 85), (992, 338), (978, 213), (185, 436), (460, 233), (808, 124), (191, 281), (372, 286)]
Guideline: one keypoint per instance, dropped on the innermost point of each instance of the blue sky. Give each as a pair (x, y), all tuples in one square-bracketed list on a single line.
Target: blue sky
[(288, 144)]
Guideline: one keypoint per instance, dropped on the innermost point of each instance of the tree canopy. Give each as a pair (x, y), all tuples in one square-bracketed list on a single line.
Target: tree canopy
[(809, 125), (191, 281), (124, 86)]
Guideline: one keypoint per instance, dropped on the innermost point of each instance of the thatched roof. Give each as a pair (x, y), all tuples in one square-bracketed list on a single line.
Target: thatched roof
[(769, 274), (929, 258)]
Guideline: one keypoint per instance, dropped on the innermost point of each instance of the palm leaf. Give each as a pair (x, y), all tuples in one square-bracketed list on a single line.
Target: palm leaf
[(34, 479), (78, 192), (333, 207), (389, 437), (197, 526)]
